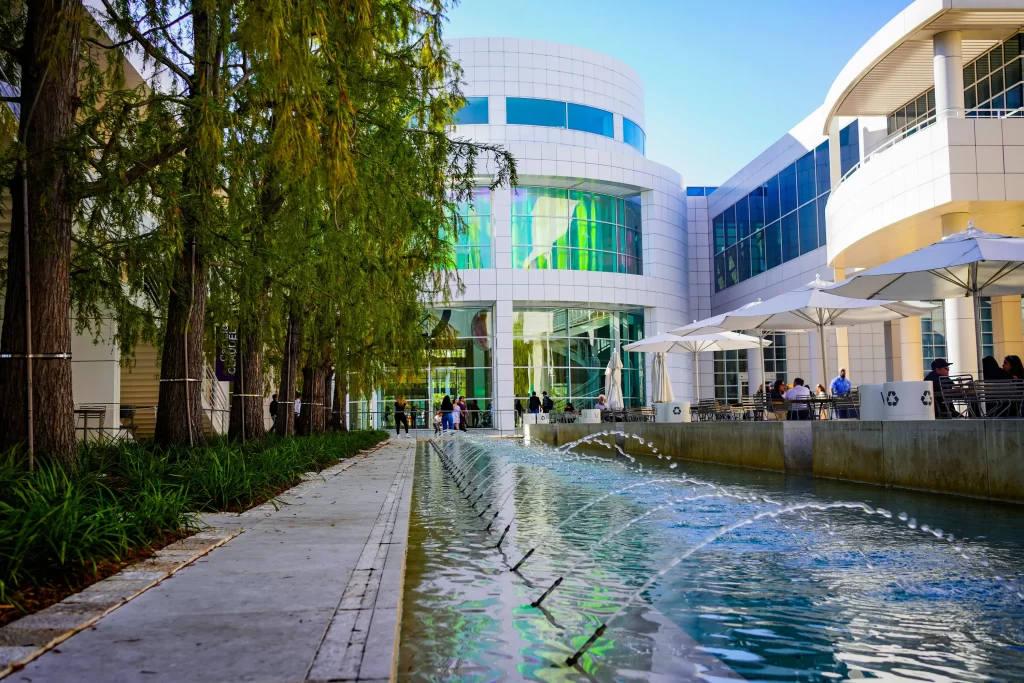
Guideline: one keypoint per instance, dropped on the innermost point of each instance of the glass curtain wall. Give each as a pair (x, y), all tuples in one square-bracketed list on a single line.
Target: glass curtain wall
[(471, 237), (531, 111), (559, 229), (473, 112), (565, 352), (729, 385), (461, 364), (775, 358), (777, 222)]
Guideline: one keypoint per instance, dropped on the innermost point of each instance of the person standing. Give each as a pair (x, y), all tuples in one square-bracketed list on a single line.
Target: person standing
[(412, 415), (400, 418), (463, 413), (298, 412), (840, 385), (446, 413), (519, 412), (546, 403), (456, 416), (273, 411), (534, 404)]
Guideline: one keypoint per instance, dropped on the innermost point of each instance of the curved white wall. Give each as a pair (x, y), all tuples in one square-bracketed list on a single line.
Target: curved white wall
[(497, 68)]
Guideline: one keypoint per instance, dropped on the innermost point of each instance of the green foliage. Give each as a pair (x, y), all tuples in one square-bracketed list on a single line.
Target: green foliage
[(57, 521)]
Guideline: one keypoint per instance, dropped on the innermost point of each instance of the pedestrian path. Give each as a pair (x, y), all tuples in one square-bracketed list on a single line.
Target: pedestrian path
[(308, 592)]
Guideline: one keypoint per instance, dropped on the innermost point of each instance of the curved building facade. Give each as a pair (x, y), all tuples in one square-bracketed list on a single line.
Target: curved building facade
[(586, 254)]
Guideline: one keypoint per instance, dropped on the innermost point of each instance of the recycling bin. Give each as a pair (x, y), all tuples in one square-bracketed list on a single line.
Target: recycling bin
[(872, 401), (908, 401), (676, 411)]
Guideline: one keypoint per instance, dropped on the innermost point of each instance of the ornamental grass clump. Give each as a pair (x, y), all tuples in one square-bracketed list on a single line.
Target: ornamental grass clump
[(62, 521)]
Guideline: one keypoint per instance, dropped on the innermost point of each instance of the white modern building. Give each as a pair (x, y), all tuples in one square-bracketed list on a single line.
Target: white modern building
[(586, 254)]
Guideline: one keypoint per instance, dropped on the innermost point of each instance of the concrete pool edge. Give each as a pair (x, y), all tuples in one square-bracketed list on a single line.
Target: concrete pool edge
[(974, 458)]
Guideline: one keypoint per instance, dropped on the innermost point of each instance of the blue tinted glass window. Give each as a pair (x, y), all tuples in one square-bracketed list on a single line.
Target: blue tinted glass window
[(808, 227), (821, 168), (773, 245), (591, 120), (849, 147), (732, 271), (690, 191), (787, 189), (742, 219), (757, 264), (743, 258), (756, 202), (718, 227), (474, 111), (806, 185), (533, 112), (719, 272), (790, 237), (772, 208), (633, 135), (730, 226), (821, 219)]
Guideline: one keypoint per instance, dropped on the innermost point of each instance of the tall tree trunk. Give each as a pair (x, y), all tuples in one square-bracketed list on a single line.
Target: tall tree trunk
[(313, 399), (179, 417), (49, 96), (328, 398), (289, 377), (340, 402), (247, 397)]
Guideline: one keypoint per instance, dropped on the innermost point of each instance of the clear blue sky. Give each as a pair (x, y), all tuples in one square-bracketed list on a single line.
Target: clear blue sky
[(724, 79)]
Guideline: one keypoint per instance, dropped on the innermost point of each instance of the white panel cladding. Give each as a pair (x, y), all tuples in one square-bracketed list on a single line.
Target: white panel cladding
[(500, 68)]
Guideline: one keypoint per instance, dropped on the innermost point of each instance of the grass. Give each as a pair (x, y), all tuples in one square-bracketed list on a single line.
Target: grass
[(62, 525)]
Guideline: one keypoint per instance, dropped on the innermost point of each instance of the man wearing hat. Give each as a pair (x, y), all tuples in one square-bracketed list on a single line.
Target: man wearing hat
[(940, 368)]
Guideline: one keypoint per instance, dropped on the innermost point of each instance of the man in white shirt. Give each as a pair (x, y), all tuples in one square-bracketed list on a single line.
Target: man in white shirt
[(796, 394)]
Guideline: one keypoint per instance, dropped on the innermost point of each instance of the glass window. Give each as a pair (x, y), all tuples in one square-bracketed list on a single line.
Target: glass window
[(849, 146), (534, 112), (730, 226), (981, 66), (984, 91), (755, 200), (933, 337), (719, 272), (1013, 98), (634, 136), (988, 340), (969, 75), (822, 200), (730, 366), (772, 207), (1012, 71), (821, 168), (787, 189), (808, 227), (742, 219), (757, 264), (471, 236), (718, 229), (591, 120), (807, 186), (790, 237), (743, 260), (775, 357), (732, 271), (474, 111), (773, 245), (997, 82)]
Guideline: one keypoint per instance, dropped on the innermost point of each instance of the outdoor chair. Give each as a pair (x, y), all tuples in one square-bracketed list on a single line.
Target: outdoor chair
[(958, 397), (640, 415), (998, 398)]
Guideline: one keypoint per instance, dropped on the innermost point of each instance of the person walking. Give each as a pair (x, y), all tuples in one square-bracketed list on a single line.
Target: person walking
[(456, 416), (273, 411), (400, 418), (446, 413), (437, 422), (298, 412), (534, 404), (546, 404), (519, 410)]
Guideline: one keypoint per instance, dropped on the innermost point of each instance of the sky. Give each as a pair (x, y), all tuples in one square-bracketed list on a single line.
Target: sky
[(724, 79)]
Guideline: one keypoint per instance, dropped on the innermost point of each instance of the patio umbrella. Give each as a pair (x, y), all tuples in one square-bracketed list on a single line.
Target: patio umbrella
[(613, 382), (667, 342), (972, 263), (807, 308), (662, 383)]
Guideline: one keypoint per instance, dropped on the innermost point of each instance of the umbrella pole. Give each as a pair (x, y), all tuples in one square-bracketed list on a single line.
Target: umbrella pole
[(696, 370), (824, 362), (764, 377), (976, 295)]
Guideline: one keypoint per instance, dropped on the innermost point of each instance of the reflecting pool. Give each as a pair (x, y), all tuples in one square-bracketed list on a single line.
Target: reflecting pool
[(700, 572)]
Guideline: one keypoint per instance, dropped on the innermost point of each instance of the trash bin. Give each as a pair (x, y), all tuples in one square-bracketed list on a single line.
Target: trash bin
[(872, 401), (590, 416), (908, 401), (676, 411)]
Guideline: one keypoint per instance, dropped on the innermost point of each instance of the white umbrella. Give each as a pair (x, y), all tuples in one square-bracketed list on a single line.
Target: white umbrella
[(972, 263), (668, 342), (662, 392), (807, 308), (613, 382)]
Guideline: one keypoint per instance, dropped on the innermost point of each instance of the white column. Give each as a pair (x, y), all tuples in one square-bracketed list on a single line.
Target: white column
[(948, 69), (754, 377), (814, 354), (911, 353), (961, 339)]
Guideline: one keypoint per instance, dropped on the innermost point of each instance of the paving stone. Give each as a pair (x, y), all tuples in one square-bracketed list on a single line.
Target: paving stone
[(13, 653)]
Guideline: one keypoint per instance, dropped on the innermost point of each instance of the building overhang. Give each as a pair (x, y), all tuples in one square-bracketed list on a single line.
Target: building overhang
[(895, 65)]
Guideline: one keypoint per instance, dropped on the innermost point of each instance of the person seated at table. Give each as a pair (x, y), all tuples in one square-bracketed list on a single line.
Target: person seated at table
[(820, 392), (990, 370), (797, 396), (1013, 367), (940, 368), (569, 408)]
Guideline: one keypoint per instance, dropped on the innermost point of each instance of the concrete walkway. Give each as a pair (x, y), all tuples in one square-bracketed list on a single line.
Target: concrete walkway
[(309, 592)]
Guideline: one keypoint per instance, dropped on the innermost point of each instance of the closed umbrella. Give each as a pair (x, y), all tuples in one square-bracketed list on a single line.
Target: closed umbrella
[(972, 263), (667, 342), (613, 382), (809, 307), (662, 392)]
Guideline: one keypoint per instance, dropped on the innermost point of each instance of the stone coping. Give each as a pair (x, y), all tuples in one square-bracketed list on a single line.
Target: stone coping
[(29, 637)]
